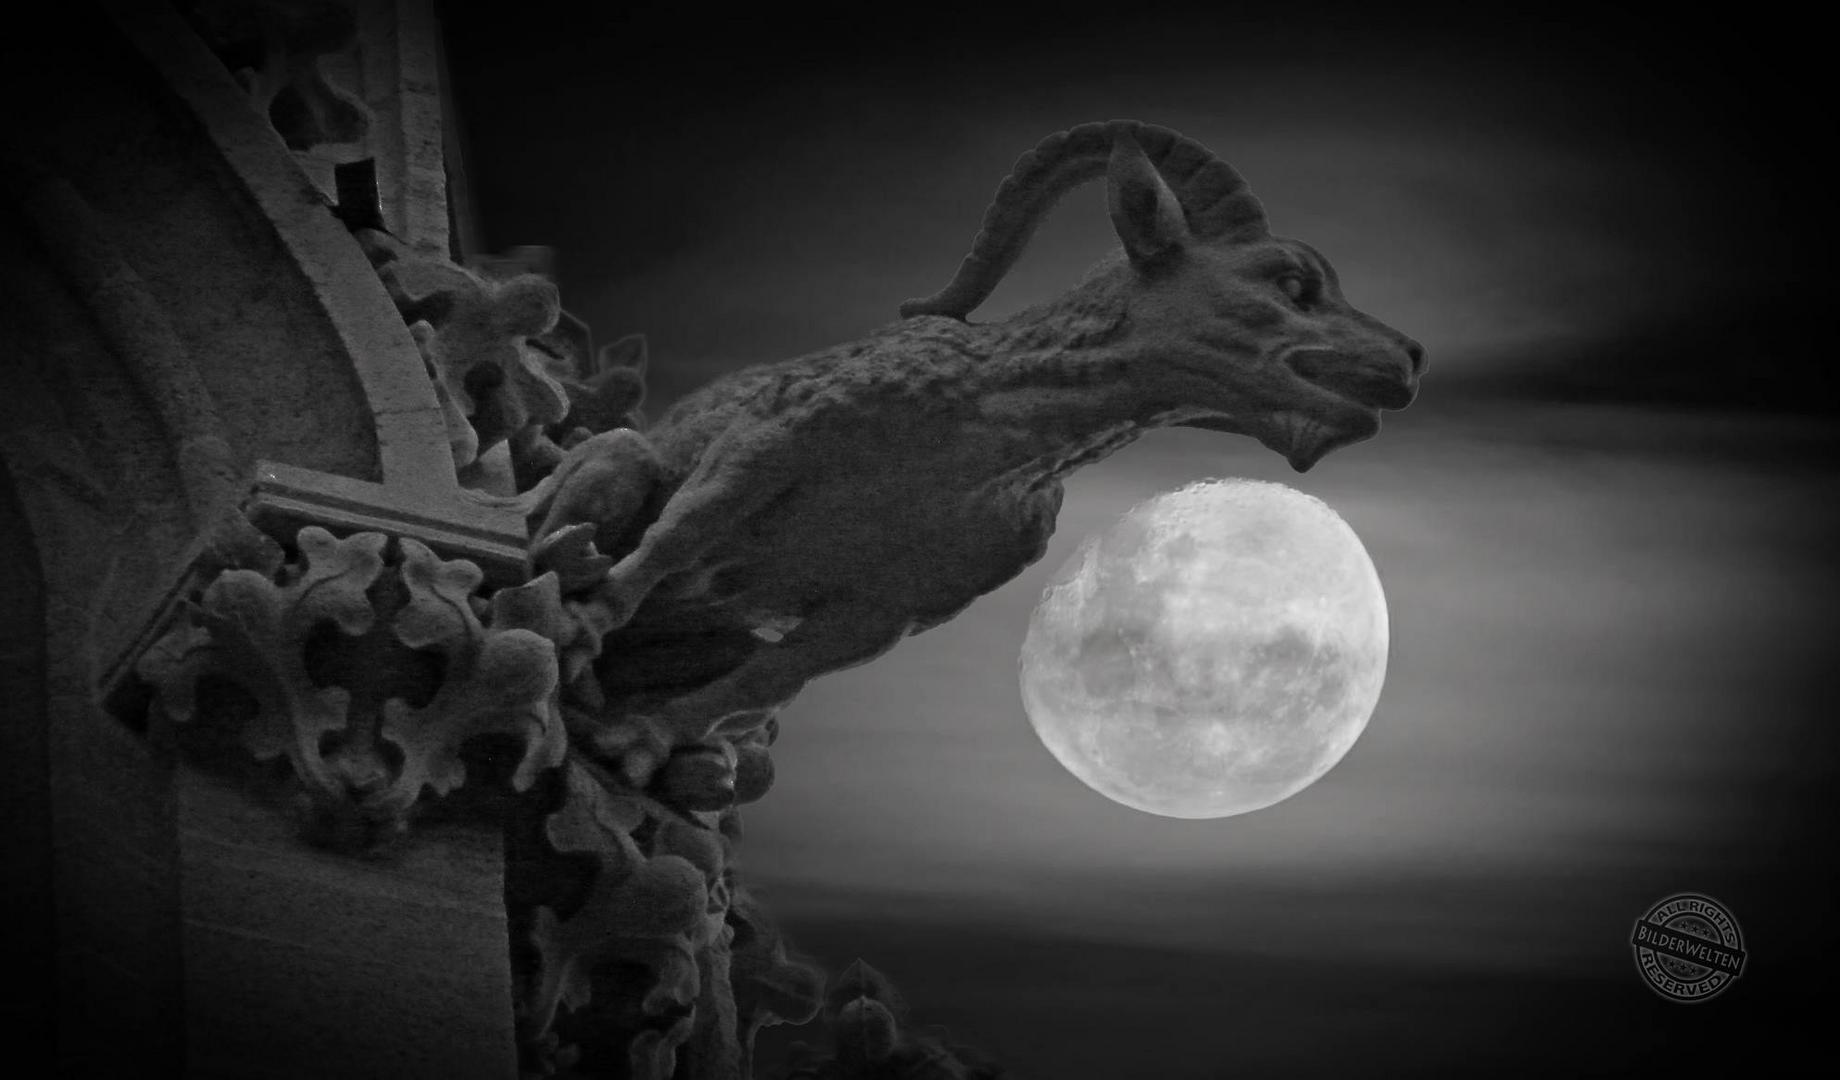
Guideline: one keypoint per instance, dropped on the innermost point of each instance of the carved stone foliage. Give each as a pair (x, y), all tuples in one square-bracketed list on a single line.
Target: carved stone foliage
[(273, 47), (648, 964), (610, 396), (771, 986), (867, 1035), (607, 398), (508, 364), (475, 337), (368, 664)]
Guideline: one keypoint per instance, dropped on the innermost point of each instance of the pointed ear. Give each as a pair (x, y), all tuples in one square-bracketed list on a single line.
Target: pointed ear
[(1144, 211)]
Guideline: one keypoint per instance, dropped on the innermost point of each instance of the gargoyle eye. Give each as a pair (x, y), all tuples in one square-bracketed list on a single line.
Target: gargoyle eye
[(1302, 291)]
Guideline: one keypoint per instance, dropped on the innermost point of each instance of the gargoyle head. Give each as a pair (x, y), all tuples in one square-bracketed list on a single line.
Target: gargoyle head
[(1229, 327)]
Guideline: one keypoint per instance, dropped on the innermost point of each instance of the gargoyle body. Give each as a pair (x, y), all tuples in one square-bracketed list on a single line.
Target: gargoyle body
[(805, 516)]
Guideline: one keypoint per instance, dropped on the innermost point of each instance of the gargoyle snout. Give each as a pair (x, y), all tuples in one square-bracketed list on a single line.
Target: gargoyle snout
[(1415, 365), (1379, 382)]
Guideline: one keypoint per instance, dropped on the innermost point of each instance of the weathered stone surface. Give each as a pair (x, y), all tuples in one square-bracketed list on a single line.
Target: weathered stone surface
[(402, 87), (771, 985), (191, 168), (306, 963), (180, 306), (475, 336), (601, 400), (699, 778), (654, 906), (274, 50), (97, 496), (610, 396), (368, 671)]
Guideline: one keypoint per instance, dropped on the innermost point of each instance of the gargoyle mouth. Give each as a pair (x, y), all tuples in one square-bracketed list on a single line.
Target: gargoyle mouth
[(1333, 399), (1342, 397), (1305, 435), (1371, 383)]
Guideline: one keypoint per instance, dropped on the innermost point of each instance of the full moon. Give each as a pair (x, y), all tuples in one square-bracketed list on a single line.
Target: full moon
[(1215, 652)]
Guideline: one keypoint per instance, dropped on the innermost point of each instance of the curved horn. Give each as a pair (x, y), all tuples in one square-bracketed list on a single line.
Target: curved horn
[(1214, 200)]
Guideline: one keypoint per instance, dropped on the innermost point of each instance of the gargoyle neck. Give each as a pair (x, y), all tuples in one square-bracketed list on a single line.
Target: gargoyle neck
[(1056, 388)]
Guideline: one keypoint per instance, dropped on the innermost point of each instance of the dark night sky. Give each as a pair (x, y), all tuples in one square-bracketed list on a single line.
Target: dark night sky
[(1590, 203), (1605, 531)]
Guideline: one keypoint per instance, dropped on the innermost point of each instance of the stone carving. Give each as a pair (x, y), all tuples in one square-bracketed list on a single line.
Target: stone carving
[(368, 669), (475, 335), (796, 518), (607, 399), (867, 1035), (770, 985), (658, 965), (648, 904), (807, 515), (507, 363), (273, 47)]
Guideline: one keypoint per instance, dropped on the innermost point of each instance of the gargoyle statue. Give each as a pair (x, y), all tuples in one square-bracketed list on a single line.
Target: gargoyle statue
[(817, 511)]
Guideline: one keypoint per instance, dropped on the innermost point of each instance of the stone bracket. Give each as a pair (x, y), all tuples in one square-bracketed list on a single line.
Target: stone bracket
[(284, 499), (452, 523), (367, 661)]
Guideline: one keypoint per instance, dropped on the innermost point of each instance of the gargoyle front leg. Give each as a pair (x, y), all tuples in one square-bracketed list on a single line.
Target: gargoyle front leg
[(602, 480), (840, 635), (732, 481)]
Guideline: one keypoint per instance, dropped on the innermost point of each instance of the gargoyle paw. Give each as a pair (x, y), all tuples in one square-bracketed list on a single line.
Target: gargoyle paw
[(571, 553)]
